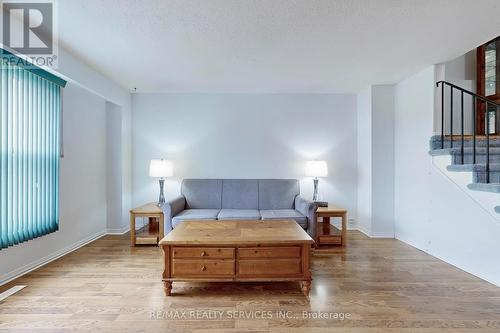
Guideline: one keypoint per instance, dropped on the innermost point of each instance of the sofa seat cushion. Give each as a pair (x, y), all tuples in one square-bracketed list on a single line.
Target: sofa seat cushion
[(239, 214), (284, 214), (195, 214)]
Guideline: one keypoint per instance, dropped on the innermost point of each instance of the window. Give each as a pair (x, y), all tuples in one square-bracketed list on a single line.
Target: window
[(30, 151), (491, 68)]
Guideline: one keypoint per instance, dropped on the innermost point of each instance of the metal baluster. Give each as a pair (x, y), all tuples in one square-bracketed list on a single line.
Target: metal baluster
[(474, 112), (487, 145), (442, 115), (462, 123), (497, 122), (451, 117)]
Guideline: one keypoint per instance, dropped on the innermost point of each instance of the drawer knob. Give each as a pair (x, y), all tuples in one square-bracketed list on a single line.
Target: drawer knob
[(203, 268), (203, 254)]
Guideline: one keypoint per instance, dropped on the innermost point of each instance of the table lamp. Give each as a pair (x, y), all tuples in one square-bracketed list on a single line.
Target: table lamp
[(161, 169), (316, 169)]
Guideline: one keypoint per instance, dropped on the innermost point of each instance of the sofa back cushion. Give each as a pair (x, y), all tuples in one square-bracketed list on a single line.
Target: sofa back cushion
[(278, 193), (202, 193), (240, 193)]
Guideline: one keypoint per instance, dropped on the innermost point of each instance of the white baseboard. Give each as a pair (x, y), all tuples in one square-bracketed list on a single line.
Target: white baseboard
[(387, 236), (363, 231), (121, 231), (11, 292), (49, 258), (369, 234)]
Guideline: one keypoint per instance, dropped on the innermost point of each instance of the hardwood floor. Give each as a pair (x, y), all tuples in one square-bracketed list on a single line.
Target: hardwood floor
[(381, 285)]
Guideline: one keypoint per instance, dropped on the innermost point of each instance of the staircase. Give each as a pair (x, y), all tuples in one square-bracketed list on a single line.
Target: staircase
[(469, 152)]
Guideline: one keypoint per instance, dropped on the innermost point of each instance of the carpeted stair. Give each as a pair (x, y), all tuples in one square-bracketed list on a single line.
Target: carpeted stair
[(479, 168), (435, 142)]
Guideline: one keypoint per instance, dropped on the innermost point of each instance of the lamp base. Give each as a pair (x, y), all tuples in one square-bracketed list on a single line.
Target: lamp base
[(161, 199), (315, 192)]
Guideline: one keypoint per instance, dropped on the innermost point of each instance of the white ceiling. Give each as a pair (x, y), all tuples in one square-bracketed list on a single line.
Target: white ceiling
[(270, 46)]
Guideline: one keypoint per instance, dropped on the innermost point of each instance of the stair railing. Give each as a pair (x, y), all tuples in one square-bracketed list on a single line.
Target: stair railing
[(475, 98)]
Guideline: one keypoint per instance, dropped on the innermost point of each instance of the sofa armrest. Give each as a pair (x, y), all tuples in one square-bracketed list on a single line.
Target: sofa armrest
[(170, 209), (308, 209)]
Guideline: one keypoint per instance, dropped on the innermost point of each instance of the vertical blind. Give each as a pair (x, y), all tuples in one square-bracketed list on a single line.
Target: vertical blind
[(30, 148)]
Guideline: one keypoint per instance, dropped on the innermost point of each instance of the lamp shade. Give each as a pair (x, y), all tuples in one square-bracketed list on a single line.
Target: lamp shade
[(316, 169), (161, 168)]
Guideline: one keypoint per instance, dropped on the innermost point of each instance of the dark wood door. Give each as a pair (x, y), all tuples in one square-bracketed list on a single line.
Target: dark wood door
[(488, 84)]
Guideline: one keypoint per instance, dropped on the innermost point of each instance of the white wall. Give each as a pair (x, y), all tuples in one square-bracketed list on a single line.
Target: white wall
[(461, 72), (246, 136), (78, 73), (364, 118), (114, 169), (82, 185), (376, 161), (431, 212), (462, 69), (383, 161), (414, 105)]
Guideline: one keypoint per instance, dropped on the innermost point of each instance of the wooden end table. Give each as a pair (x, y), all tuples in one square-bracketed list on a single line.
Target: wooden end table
[(327, 234), (153, 231)]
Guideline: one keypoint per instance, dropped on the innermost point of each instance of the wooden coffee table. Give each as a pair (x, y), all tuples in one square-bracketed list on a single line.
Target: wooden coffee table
[(237, 251)]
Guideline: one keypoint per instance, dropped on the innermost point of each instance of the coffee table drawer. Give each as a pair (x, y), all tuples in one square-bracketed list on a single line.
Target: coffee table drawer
[(203, 252), (274, 267), (198, 268), (269, 252)]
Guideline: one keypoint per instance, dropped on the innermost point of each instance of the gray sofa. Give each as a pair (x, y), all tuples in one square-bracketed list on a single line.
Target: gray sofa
[(240, 199)]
